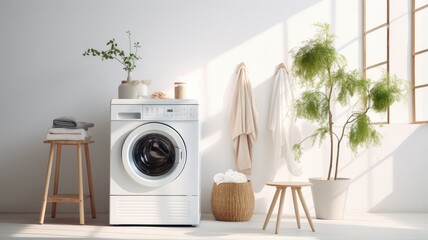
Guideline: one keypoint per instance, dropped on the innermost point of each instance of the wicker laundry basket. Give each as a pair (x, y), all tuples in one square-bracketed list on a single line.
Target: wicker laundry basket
[(232, 201)]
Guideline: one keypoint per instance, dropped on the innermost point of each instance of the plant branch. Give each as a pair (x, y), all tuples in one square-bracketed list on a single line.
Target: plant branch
[(129, 39), (128, 61), (337, 137), (306, 138), (121, 62), (339, 141), (330, 124)]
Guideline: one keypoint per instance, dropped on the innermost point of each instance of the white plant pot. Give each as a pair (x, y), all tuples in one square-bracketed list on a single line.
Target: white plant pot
[(329, 197), (127, 90)]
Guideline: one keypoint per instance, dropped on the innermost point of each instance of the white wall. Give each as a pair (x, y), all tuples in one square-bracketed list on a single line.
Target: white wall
[(44, 75)]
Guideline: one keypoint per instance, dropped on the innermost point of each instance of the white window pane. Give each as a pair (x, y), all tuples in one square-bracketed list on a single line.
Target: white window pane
[(376, 73), (421, 30), (420, 3), (421, 104), (376, 47), (421, 69), (378, 117), (375, 13)]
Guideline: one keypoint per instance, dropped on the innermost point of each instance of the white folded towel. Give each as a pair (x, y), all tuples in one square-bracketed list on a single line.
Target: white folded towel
[(67, 131), (67, 134), (230, 176)]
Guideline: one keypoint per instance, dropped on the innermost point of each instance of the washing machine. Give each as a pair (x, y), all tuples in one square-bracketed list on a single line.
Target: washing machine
[(154, 162)]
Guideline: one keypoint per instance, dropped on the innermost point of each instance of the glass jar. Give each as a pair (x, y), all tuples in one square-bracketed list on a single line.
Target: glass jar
[(180, 90)]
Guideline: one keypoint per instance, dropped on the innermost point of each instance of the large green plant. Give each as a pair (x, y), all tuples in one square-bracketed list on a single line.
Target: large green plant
[(327, 83)]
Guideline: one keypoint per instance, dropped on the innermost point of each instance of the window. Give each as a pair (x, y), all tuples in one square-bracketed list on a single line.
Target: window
[(419, 61), (376, 45)]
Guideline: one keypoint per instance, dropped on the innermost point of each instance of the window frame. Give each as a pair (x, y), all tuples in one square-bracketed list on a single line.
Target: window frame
[(413, 61), (386, 25)]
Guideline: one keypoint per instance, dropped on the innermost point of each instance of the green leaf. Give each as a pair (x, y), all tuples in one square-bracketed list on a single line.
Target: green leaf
[(385, 92), (312, 105), (314, 59), (320, 135), (362, 132), (298, 150), (349, 84)]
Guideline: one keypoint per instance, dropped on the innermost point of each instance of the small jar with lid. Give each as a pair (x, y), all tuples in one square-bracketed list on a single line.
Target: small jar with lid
[(179, 90)]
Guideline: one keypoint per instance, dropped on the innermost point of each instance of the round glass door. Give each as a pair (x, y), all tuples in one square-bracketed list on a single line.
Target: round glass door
[(154, 154)]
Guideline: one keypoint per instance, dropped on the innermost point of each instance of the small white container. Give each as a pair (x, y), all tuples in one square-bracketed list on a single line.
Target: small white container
[(127, 90), (141, 86), (146, 84)]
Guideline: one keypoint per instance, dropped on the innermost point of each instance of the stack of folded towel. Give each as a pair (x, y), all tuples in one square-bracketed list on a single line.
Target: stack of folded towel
[(68, 128)]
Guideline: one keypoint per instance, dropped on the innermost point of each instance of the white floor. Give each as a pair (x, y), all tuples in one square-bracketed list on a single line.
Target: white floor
[(385, 226)]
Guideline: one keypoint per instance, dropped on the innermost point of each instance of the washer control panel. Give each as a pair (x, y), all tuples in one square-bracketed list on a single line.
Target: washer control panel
[(170, 112)]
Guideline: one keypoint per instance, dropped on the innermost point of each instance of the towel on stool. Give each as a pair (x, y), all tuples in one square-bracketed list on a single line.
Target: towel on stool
[(71, 123), (67, 134)]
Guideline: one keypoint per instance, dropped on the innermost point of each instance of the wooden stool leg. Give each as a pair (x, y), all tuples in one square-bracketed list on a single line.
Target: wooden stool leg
[(308, 216), (81, 198), (296, 207), (272, 206), (57, 167), (281, 205), (48, 178), (91, 191)]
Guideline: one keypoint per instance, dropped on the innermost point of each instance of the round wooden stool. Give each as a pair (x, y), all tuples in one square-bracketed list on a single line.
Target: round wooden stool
[(280, 188), (68, 198)]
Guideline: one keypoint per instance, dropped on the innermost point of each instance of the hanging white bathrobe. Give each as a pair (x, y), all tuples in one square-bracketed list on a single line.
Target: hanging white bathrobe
[(243, 122), (281, 122)]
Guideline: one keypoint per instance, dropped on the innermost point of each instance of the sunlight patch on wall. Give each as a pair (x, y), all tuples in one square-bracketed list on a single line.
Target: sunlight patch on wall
[(348, 38), (207, 142), (193, 81), (374, 168), (213, 84), (300, 25), (261, 54)]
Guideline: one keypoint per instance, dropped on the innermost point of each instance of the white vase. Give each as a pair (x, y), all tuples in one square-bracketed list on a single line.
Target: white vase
[(127, 91), (329, 197), (129, 78)]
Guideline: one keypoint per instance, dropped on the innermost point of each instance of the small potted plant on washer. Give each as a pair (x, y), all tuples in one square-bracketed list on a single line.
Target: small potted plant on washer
[(126, 90), (128, 61), (327, 84)]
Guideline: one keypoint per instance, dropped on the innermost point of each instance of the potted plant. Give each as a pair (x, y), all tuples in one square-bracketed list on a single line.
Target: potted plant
[(327, 84), (128, 61)]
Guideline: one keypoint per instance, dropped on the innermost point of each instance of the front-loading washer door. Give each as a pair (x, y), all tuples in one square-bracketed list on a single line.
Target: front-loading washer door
[(154, 154)]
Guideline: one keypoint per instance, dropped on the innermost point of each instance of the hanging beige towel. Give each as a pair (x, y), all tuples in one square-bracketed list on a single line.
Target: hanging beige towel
[(243, 121), (281, 122)]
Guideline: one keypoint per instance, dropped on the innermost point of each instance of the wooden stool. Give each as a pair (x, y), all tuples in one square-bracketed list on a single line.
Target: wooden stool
[(280, 188), (68, 198)]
